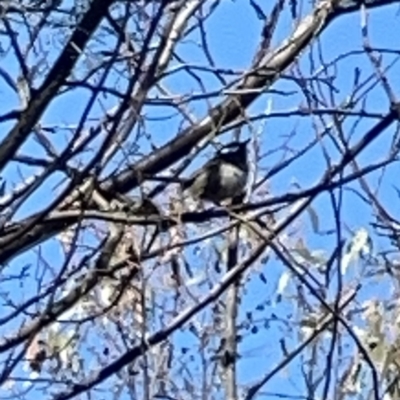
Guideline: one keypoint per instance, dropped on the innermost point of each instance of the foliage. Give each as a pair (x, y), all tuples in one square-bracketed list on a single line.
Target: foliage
[(119, 285)]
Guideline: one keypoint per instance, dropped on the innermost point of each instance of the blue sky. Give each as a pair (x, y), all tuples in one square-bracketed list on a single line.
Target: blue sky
[(233, 33)]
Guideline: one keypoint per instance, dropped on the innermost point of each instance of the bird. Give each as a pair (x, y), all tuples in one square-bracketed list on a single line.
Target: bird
[(223, 177)]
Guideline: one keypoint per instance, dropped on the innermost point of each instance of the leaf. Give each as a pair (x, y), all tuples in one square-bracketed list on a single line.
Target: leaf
[(360, 243), (314, 219), (283, 282), (314, 257)]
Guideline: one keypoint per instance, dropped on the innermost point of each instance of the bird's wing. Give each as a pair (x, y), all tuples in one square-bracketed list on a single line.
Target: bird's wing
[(209, 165)]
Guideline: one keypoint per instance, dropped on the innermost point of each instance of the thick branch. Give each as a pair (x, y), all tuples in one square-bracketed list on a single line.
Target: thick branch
[(53, 82)]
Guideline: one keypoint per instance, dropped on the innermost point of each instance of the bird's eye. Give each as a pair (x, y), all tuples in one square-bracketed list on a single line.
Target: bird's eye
[(230, 147)]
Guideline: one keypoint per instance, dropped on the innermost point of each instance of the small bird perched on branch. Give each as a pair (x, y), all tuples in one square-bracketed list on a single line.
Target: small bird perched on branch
[(223, 177)]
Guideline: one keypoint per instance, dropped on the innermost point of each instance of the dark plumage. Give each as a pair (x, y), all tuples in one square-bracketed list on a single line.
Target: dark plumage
[(223, 177)]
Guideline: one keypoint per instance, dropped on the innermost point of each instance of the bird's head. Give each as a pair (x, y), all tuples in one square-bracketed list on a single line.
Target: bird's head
[(234, 152)]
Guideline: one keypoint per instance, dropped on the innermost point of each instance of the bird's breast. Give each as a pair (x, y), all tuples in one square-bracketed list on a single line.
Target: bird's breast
[(233, 179)]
